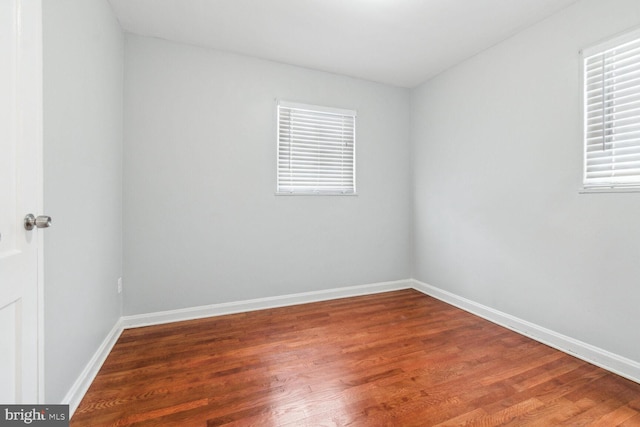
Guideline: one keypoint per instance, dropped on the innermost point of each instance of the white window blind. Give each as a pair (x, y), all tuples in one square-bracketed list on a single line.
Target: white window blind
[(612, 113), (316, 149)]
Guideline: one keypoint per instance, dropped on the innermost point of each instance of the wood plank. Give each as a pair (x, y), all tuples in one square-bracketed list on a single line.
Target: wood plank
[(397, 358)]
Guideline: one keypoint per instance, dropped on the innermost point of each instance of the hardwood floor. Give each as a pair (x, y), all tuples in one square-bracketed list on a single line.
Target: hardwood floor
[(392, 359)]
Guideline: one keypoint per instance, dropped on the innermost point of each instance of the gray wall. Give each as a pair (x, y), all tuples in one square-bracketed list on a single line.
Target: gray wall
[(202, 223), (497, 154), (83, 78)]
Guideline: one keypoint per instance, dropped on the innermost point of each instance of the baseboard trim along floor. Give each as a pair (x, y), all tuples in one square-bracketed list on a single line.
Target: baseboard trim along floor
[(612, 362), (260, 304), (604, 359), (82, 384)]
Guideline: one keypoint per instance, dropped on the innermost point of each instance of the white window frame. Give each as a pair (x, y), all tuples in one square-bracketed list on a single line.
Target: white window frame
[(306, 176), (604, 101)]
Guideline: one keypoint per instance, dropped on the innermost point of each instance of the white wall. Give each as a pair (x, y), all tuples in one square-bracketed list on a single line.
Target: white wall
[(497, 159), (83, 80), (202, 223)]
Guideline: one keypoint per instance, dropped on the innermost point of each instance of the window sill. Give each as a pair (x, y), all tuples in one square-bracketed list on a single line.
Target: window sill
[(316, 194), (609, 190)]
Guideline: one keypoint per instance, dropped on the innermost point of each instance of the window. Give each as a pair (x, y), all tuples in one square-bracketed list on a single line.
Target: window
[(316, 150), (612, 114)]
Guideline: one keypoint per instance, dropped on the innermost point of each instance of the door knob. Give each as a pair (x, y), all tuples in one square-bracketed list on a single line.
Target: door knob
[(41, 221)]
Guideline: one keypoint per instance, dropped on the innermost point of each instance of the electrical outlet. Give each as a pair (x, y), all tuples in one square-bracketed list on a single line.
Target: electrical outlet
[(119, 285)]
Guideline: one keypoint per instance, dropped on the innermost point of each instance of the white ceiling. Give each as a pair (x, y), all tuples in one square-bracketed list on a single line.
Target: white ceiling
[(398, 42)]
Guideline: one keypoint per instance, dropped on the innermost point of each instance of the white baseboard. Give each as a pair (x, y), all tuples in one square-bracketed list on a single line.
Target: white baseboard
[(612, 362), (148, 319), (83, 382)]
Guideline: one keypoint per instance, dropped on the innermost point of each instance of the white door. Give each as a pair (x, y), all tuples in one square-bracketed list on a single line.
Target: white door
[(20, 193)]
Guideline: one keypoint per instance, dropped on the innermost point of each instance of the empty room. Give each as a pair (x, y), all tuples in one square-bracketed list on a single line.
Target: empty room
[(336, 212)]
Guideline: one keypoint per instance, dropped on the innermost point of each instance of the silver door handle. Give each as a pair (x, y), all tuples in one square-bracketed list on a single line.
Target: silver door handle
[(41, 221)]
